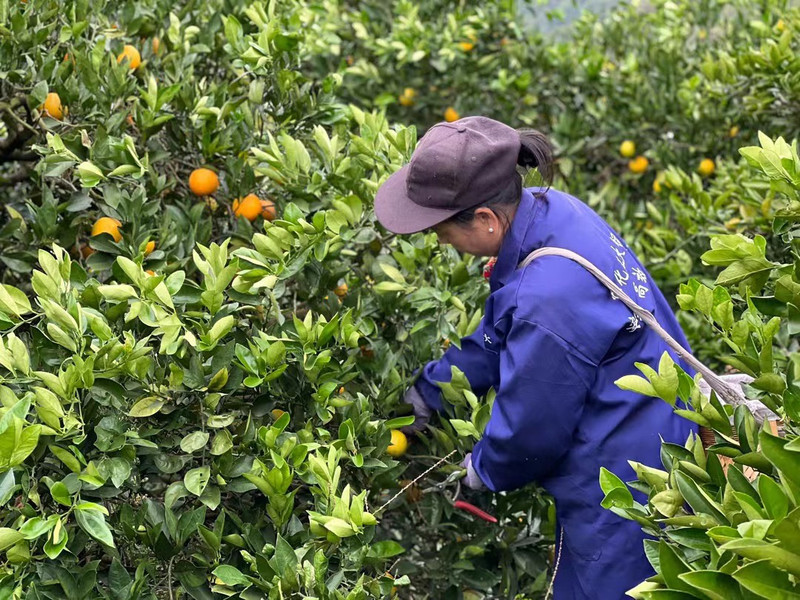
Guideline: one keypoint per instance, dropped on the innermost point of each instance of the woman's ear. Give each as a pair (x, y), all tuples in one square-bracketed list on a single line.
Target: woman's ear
[(485, 219)]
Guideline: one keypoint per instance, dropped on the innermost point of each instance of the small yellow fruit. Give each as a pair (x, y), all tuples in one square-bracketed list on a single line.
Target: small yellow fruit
[(639, 165), (731, 224), (659, 180), (734, 131), (133, 56), (52, 106), (780, 25), (277, 413), (405, 100), (451, 114), (156, 45), (148, 250), (109, 226), (341, 290), (466, 46), (203, 182), (627, 149), (706, 167), (150, 272), (399, 444)]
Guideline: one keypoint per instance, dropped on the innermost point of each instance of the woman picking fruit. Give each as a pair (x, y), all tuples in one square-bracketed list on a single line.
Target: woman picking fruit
[(552, 341)]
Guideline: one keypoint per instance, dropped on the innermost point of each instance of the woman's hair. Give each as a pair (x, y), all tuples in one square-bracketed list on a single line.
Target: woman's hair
[(534, 153)]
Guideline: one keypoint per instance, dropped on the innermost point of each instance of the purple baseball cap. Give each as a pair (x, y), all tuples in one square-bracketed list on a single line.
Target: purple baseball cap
[(455, 166)]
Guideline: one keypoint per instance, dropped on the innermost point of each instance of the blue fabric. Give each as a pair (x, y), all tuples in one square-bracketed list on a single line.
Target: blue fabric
[(552, 343)]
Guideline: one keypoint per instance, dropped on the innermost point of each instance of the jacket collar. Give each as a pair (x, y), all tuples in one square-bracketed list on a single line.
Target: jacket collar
[(519, 239)]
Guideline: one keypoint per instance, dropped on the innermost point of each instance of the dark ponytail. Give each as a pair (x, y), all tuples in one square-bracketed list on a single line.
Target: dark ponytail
[(535, 152)]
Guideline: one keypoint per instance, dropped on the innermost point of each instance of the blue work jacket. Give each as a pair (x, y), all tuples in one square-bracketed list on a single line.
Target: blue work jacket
[(552, 343)]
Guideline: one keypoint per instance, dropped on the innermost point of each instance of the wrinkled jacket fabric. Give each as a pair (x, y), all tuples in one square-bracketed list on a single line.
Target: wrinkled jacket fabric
[(552, 343)]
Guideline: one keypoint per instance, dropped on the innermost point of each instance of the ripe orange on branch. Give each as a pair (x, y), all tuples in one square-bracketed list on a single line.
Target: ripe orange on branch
[(248, 207), (451, 114), (151, 245), (268, 210), (639, 165), (132, 55), (627, 149), (203, 182), (107, 225), (399, 444), (707, 167), (52, 106)]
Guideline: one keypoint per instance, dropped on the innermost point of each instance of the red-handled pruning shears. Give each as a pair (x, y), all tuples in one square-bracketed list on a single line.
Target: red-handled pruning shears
[(460, 504)]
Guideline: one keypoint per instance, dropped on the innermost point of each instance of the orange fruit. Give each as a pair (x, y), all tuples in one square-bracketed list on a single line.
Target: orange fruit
[(627, 149), (734, 131), (341, 390), (86, 251), (639, 165), (706, 167), (203, 182), (451, 114), (268, 210), (399, 444), (107, 225), (405, 100), (156, 45), (133, 56), (248, 207), (52, 106), (341, 290), (150, 272), (151, 245), (466, 46), (504, 41)]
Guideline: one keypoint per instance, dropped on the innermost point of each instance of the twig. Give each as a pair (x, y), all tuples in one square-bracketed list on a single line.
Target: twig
[(555, 567), (412, 482), (169, 577)]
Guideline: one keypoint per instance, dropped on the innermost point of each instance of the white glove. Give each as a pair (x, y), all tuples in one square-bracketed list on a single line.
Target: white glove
[(472, 479)]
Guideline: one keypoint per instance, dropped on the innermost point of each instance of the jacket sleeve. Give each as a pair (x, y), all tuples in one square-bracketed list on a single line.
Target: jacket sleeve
[(544, 383), (478, 365)]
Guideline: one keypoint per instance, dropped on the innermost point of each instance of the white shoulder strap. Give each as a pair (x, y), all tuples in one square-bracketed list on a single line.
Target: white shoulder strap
[(723, 390)]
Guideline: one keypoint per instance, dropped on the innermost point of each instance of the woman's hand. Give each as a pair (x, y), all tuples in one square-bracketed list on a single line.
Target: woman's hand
[(422, 412), (472, 480)]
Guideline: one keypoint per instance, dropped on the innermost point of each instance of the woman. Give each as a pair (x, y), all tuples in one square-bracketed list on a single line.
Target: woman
[(552, 341)]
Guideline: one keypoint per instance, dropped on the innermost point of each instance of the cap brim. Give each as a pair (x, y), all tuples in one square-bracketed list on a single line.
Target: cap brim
[(399, 214)]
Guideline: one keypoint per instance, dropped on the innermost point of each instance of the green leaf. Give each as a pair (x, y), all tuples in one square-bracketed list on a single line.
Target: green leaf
[(773, 497), (146, 407), (385, 549), (94, 523), (715, 585), (60, 493), (196, 479), (761, 578), (639, 385), (230, 575), (672, 566), (758, 549), (8, 537), (786, 461), (194, 441)]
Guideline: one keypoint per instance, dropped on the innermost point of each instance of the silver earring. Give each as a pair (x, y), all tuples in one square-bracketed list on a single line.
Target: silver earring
[(491, 229)]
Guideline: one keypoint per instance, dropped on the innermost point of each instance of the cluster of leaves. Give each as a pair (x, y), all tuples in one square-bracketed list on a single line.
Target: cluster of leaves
[(725, 520), (213, 414)]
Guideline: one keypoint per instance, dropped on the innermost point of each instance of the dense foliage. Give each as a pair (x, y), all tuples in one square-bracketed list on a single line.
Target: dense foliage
[(197, 397)]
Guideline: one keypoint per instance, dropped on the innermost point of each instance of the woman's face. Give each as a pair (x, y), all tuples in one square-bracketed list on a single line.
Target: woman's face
[(482, 236)]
